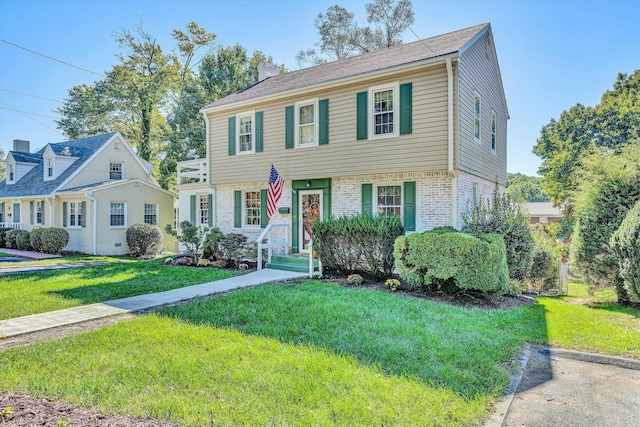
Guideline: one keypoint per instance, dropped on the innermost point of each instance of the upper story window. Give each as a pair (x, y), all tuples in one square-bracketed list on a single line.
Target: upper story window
[(11, 172), (252, 208), (204, 209), (307, 123), (493, 131), (151, 214), (389, 200), (118, 214), (246, 132), (476, 117), (384, 111), (49, 169), (115, 170)]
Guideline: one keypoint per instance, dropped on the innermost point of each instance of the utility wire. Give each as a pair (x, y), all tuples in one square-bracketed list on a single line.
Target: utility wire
[(28, 112), (51, 58), (32, 96), (29, 117)]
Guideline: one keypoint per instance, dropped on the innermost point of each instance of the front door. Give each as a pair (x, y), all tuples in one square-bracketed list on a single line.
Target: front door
[(310, 207)]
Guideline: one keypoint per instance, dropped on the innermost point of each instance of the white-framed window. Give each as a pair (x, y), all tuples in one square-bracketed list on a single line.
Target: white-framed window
[(203, 208), (306, 123), (116, 170), (389, 199), (11, 172), (245, 124), (252, 208), (40, 213), (493, 131), (477, 114), (475, 194), (151, 213), (49, 172), (384, 110), (76, 214), (16, 213), (118, 214)]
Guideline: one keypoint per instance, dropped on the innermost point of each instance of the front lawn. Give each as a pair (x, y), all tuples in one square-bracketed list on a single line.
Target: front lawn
[(310, 354), (31, 293), (83, 259)]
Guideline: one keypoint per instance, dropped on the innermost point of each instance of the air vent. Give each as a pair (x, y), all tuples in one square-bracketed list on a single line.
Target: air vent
[(118, 245)]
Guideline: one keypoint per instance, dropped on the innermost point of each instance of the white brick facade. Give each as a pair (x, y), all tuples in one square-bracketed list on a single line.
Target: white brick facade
[(466, 183)]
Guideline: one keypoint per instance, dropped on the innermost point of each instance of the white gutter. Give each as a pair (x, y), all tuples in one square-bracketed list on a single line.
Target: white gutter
[(450, 150), (94, 242)]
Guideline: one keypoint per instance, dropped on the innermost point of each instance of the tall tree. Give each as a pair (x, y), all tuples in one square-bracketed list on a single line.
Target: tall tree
[(88, 111), (564, 143), (341, 37), (523, 188)]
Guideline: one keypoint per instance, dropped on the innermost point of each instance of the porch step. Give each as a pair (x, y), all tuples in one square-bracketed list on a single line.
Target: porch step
[(291, 263)]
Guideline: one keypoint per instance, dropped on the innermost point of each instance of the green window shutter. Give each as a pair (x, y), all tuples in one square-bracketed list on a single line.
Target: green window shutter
[(64, 214), (263, 209), (289, 127), (192, 211), (210, 210), (259, 142), (83, 210), (405, 108), (237, 208), (367, 199), (410, 206), (232, 136), (362, 114), (323, 106), (31, 212)]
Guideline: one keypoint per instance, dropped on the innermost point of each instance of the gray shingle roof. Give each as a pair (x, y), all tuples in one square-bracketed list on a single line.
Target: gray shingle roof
[(20, 156), (33, 183), (367, 63)]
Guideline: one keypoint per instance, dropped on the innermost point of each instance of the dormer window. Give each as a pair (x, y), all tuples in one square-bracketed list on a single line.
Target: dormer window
[(11, 173), (49, 171), (115, 170)]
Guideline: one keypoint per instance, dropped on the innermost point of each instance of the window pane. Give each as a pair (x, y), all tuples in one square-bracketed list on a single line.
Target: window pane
[(389, 200), (204, 209), (252, 208), (150, 214), (117, 214), (307, 134), (306, 114), (383, 112)]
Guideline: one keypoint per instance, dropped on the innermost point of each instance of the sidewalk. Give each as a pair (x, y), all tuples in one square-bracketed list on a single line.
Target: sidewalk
[(29, 254), (68, 316)]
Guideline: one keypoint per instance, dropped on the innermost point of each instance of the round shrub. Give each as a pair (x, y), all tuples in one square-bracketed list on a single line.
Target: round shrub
[(23, 240), (355, 279), (54, 239), (204, 262), (211, 243), (144, 239), (625, 244), (10, 238), (36, 239), (220, 263)]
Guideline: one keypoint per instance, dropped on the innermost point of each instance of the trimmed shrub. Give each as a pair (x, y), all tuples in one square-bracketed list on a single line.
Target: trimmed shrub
[(625, 244), (543, 272), (355, 280), (500, 216), (204, 263), (3, 232), (23, 240), (54, 239), (36, 239), (234, 247), (10, 238), (453, 261), (191, 236), (211, 244), (144, 240), (220, 263), (358, 243)]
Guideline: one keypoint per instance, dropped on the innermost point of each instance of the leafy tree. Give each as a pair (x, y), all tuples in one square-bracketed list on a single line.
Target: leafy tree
[(523, 188), (625, 244), (609, 189), (341, 37), (566, 142), (88, 111)]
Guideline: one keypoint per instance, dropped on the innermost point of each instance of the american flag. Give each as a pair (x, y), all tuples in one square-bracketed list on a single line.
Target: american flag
[(274, 192)]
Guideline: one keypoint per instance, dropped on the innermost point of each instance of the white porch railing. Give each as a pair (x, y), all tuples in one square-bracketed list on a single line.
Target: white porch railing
[(267, 234), (11, 225), (192, 171)]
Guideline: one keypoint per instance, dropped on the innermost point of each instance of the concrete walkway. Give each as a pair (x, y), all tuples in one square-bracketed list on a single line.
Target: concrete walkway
[(68, 316), (28, 254)]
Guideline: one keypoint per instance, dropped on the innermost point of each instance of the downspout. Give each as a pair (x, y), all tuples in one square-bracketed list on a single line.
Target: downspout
[(208, 182), (51, 218), (450, 151), (94, 241)]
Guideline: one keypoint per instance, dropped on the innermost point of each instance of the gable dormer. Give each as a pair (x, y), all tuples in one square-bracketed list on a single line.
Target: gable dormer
[(18, 164), (56, 161)]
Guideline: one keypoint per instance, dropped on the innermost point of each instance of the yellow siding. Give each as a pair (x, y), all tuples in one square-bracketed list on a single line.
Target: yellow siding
[(423, 150)]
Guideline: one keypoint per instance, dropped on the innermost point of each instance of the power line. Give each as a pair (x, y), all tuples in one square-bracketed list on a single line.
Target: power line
[(29, 117), (32, 96), (28, 112), (51, 58)]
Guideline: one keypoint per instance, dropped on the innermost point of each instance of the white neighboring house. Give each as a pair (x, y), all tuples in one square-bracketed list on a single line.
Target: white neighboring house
[(418, 130), (93, 187)]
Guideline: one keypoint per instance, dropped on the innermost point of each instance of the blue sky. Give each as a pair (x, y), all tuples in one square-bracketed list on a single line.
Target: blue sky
[(552, 54)]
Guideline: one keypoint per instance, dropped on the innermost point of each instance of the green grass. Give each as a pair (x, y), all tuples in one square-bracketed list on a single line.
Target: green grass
[(311, 354), (66, 260), (592, 322), (31, 293), (4, 254)]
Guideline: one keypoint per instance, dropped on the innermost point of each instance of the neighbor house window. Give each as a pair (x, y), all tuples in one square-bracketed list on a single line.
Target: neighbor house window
[(389, 200), (476, 117), (76, 214), (246, 133), (252, 208), (493, 131), (117, 214), (115, 170), (16, 212), (204, 209), (50, 163), (2, 212), (383, 114), (39, 212), (151, 214), (475, 195), (306, 122), (11, 171)]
